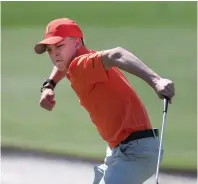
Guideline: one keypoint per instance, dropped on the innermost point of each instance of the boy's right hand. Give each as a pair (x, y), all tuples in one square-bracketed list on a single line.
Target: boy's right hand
[(47, 99), (165, 88)]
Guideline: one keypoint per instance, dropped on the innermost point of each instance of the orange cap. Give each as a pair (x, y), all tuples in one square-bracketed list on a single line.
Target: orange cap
[(56, 31)]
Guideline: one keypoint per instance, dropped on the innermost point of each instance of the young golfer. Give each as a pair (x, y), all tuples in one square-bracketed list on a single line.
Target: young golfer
[(112, 103)]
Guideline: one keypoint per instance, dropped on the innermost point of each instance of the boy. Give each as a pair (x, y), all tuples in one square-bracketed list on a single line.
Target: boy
[(112, 103)]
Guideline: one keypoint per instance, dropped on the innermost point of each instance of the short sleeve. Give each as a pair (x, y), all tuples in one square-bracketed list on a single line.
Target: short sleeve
[(89, 68)]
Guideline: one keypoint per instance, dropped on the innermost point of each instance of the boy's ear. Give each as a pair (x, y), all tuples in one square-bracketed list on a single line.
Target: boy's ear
[(78, 43)]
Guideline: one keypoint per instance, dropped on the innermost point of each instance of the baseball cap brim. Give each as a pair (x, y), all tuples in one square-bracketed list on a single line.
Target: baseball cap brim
[(41, 46)]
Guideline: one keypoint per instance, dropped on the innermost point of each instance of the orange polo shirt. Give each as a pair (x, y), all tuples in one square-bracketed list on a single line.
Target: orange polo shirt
[(113, 105)]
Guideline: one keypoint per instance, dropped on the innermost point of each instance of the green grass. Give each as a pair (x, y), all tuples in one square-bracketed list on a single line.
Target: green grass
[(169, 49), (68, 127), (107, 14)]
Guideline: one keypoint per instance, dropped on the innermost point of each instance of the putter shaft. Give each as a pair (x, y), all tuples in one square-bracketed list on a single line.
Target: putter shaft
[(161, 137)]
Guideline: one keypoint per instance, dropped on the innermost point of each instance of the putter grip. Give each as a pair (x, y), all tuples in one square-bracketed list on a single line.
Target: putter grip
[(165, 104)]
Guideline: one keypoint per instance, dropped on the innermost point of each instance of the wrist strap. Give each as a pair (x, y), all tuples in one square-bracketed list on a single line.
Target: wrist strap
[(46, 87), (51, 82)]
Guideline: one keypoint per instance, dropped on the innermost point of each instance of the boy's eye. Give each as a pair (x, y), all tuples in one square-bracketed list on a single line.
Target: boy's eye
[(48, 50), (59, 45)]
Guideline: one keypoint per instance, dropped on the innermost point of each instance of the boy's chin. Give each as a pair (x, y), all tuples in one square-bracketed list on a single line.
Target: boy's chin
[(62, 68)]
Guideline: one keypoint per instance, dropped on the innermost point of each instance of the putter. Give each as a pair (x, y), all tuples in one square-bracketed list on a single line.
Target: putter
[(165, 108)]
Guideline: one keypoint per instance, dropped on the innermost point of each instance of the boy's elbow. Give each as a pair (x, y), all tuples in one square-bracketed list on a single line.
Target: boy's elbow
[(111, 57), (116, 53)]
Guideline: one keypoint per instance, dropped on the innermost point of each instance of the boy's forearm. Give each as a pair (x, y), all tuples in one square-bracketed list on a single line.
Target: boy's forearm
[(57, 75), (135, 66), (128, 62)]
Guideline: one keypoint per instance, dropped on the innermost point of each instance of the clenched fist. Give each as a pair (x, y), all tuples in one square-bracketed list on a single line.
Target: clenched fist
[(164, 88), (47, 99)]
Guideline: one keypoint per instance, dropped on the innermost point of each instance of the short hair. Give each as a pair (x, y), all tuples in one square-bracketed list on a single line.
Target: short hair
[(76, 38), (82, 41)]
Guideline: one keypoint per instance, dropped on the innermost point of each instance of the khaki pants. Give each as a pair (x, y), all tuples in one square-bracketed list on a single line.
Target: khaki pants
[(131, 163)]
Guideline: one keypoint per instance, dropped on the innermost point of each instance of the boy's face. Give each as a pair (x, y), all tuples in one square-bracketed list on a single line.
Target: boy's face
[(63, 52)]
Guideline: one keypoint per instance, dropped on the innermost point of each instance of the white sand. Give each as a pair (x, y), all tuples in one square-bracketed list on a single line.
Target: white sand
[(35, 170)]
